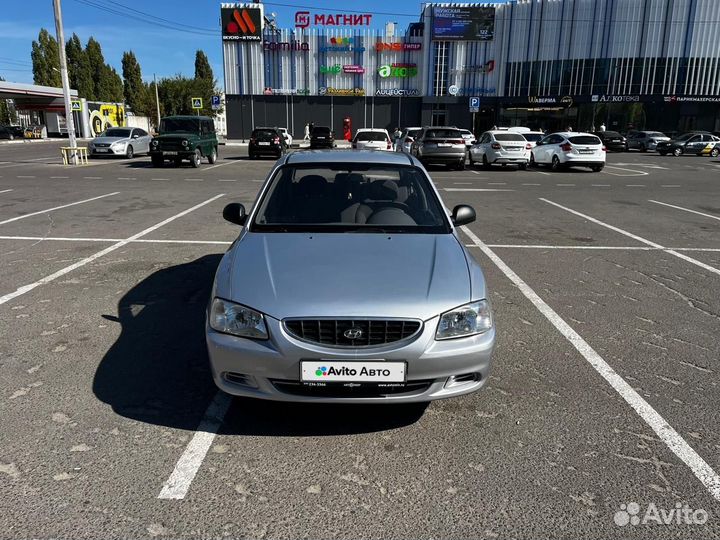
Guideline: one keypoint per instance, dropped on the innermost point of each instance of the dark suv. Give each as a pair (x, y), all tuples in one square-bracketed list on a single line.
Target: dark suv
[(322, 137), (185, 138), (440, 145), (612, 140), (266, 141)]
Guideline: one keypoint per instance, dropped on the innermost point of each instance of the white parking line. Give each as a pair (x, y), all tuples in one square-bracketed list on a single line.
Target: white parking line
[(161, 179), (177, 485), (475, 189), (47, 279), (56, 208), (497, 183), (110, 240), (540, 246), (126, 178), (463, 183), (541, 172), (220, 165), (600, 185), (529, 184), (670, 185), (227, 180), (474, 172), (636, 237), (637, 173), (92, 177), (5, 190), (565, 185), (25, 176), (59, 177), (652, 418), (635, 185), (194, 180), (678, 207)]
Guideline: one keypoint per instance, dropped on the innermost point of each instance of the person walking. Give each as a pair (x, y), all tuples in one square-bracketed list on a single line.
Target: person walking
[(307, 132), (395, 138), (602, 126)]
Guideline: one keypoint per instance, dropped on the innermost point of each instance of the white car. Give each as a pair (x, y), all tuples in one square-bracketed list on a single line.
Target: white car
[(407, 137), (533, 137), (468, 137), (372, 139), (286, 135), (568, 149), (503, 147)]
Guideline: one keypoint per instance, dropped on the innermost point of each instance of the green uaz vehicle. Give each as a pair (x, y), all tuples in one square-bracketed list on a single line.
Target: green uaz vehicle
[(185, 138)]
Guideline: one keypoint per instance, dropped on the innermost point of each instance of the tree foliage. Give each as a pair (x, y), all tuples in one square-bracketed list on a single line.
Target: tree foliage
[(46, 56), (79, 69), (134, 88), (202, 66)]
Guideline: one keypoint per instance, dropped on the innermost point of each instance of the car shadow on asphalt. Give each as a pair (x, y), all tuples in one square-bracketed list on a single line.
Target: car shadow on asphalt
[(157, 370)]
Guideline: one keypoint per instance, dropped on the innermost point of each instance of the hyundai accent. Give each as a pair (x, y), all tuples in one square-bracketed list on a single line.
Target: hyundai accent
[(348, 282)]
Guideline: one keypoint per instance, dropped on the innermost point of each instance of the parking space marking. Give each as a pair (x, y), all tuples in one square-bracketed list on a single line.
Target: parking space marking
[(161, 179), (635, 185), (674, 441), (634, 171), (5, 190), (677, 207), (541, 246), (530, 184), (59, 177), (110, 240), (227, 180), (25, 176), (178, 484), (47, 279), (565, 185), (57, 208), (636, 237), (126, 178), (220, 165), (670, 185), (92, 177), (600, 185), (475, 189), (463, 183), (194, 180), (497, 183)]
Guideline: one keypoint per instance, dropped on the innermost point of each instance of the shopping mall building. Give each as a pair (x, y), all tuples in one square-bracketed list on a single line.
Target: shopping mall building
[(549, 64)]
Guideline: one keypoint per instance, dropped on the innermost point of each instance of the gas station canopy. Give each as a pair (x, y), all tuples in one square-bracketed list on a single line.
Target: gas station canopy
[(35, 97)]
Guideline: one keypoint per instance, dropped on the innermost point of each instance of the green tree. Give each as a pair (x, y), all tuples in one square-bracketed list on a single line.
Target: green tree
[(134, 88), (96, 60), (46, 60), (79, 71), (202, 66), (111, 85)]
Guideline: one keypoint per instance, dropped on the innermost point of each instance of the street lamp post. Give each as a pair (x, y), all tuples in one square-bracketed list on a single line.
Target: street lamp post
[(69, 120)]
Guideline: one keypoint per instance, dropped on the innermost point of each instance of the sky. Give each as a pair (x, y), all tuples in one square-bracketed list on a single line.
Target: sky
[(159, 49)]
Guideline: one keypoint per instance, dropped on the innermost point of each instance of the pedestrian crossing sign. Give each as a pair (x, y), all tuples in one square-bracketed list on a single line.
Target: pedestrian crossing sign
[(197, 103)]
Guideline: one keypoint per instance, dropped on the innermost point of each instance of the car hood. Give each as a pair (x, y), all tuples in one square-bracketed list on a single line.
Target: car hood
[(175, 136), (340, 275), (110, 140)]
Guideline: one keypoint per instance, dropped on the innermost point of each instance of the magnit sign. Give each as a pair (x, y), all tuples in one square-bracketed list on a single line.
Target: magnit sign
[(241, 24), (303, 19)]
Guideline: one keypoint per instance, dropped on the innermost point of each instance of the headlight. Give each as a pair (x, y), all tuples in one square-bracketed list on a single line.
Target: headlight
[(119, 143), (467, 320), (184, 143), (230, 318), (155, 142)]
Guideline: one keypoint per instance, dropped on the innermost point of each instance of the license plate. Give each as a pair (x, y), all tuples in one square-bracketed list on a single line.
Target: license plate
[(170, 153), (101, 149), (513, 149), (586, 151), (362, 372), (444, 144), (264, 143)]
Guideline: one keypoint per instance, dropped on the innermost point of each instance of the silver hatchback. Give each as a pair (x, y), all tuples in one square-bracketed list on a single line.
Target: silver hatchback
[(348, 282)]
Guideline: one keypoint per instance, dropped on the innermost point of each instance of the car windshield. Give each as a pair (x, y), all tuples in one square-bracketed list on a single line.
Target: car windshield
[(584, 139), (371, 136), (442, 134), (533, 137), (506, 137), (612, 134), (345, 198), (655, 134), (116, 133), (321, 131), (412, 133), (264, 133), (170, 125)]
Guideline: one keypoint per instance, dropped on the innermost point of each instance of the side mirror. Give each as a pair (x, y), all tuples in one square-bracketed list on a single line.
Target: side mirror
[(135, 136), (235, 213), (463, 214)]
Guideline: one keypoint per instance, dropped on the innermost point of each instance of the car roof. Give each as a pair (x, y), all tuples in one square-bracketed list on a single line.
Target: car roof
[(505, 132), (186, 117), (350, 156), (572, 133), (383, 130)]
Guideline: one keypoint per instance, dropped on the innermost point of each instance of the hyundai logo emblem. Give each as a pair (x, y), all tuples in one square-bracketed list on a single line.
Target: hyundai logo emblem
[(353, 333)]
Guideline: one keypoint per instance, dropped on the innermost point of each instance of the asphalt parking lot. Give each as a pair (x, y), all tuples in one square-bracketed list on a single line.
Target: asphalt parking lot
[(604, 389)]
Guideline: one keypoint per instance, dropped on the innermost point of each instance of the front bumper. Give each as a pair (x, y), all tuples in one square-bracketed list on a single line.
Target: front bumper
[(107, 151), (271, 369), (172, 154)]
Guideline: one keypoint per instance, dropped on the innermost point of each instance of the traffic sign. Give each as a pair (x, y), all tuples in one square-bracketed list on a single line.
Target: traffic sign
[(215, 102), (197, 103), (76, 105), (474, 102)]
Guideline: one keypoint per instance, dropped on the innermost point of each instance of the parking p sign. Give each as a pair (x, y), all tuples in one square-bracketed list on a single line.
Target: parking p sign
[(215, 102), (474, 104)]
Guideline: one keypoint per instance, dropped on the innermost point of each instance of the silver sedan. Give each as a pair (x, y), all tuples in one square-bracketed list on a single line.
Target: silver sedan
[(120, 141), (348, 283)]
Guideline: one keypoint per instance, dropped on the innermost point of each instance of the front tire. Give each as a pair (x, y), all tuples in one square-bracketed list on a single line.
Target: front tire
[(678, 152), (523, 166), (715, 152), (212, 158), (643, 148), (485, 162), (129, 153), (196, 159)]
